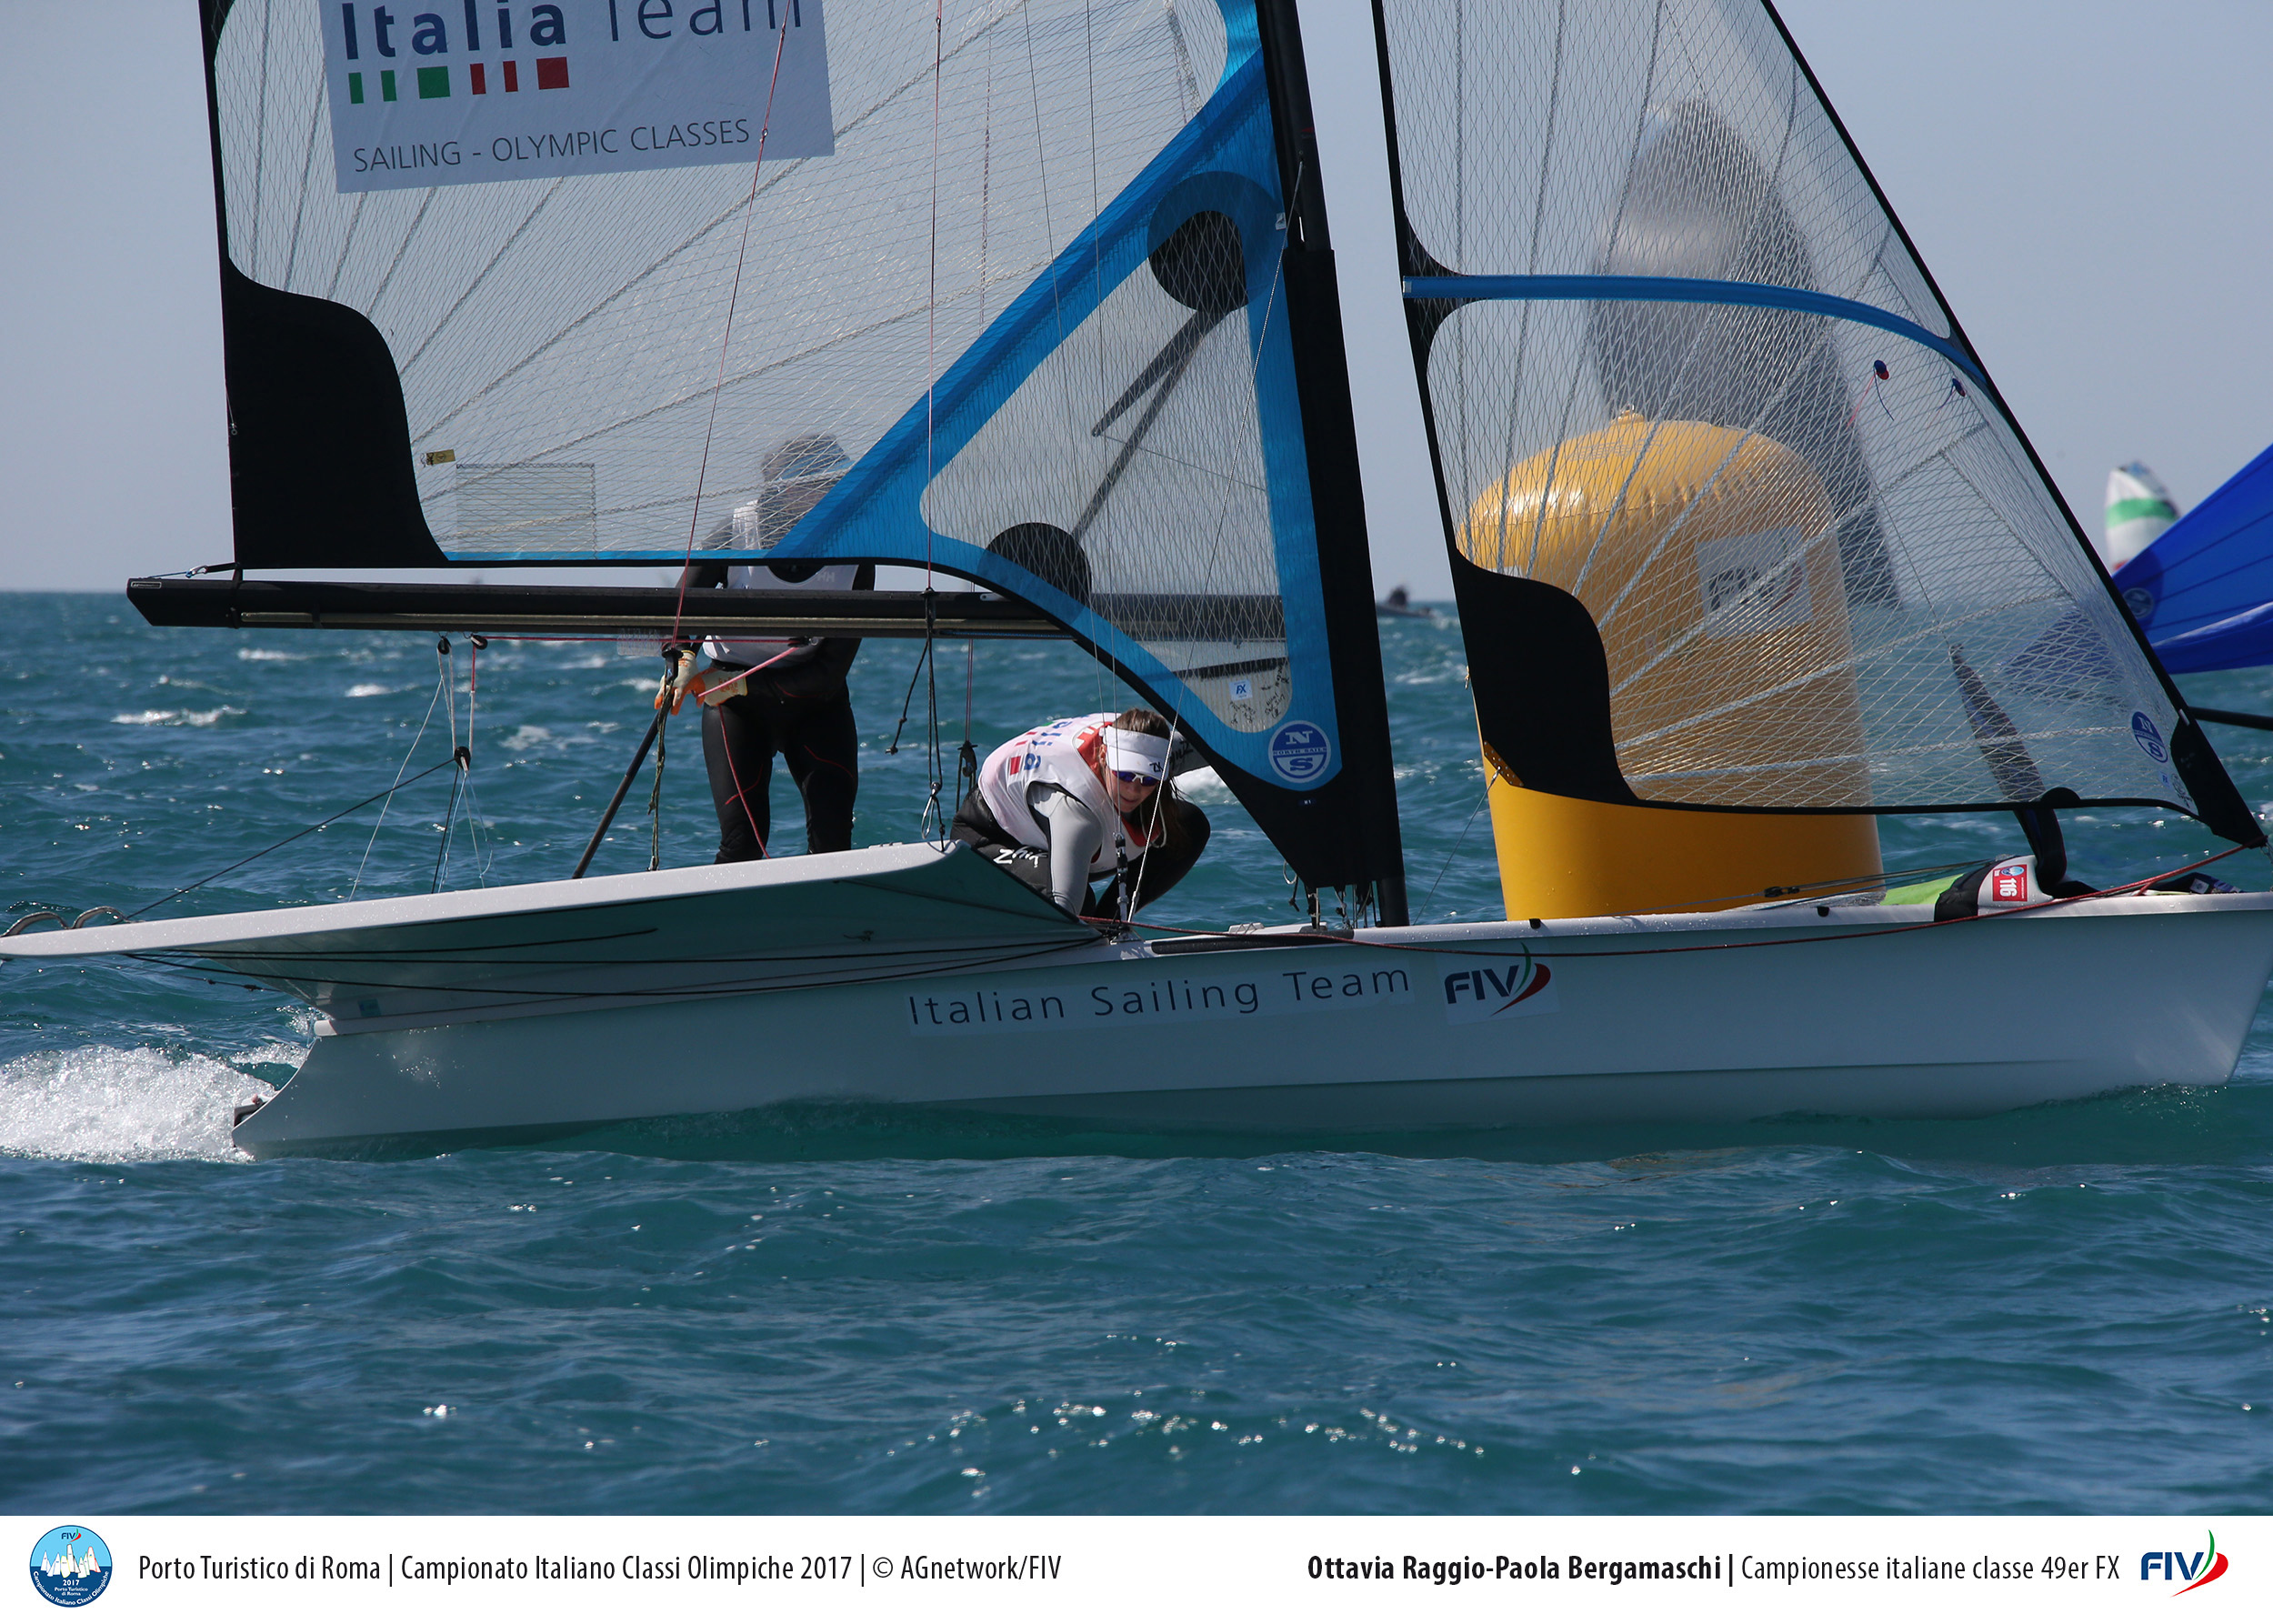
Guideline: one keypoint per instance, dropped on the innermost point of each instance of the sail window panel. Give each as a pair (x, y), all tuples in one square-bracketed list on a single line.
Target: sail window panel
[(1791, 534), (1629, 138), (1166, 506), (545, 508), (584, 319)]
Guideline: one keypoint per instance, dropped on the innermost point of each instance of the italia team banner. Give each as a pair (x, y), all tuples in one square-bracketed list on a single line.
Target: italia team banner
[(1006, 1569), (475, 91)]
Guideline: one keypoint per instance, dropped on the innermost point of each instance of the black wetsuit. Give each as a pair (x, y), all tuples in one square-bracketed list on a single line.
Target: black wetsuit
[(799, 708)]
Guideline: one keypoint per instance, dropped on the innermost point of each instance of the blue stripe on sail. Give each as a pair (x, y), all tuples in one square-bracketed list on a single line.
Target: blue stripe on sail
[(1687, 290), (876, 510)]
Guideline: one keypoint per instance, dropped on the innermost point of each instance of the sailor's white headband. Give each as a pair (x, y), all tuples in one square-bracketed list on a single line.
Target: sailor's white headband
[(1128, 752)]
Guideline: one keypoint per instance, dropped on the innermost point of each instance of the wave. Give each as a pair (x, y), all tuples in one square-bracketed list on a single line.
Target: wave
[(102, 1103), (174, 718)]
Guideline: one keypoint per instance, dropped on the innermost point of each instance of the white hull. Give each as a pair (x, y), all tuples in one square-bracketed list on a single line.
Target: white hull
[(971, 992)]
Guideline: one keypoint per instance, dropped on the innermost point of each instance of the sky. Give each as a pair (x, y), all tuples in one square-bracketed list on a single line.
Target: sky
[(2085, 179)]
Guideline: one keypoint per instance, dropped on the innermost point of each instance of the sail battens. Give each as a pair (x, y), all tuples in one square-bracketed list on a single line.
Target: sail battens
[(1689, 290)]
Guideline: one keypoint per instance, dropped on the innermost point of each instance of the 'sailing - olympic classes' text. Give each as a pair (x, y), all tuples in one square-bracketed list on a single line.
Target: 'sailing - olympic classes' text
[(555, 143)]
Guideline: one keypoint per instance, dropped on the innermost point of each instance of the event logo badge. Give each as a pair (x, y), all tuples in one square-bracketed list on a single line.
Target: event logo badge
[(70, 1566), (1301, 754), (477, 90)]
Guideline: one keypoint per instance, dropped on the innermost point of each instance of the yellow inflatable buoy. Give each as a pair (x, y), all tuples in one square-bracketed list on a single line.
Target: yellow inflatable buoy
[(1708, 559)]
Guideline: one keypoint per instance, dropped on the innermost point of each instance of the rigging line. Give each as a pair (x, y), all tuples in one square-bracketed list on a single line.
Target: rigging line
[(1523, 326), (985, 176), (260, 123), (931, 452), (1177, 355), (1223, 508), (726, 344), (1697, 338), (449, 813), (1491, 777), (1709, 486), (654, 796), (346, 245), (833, 341), (399, 771), (473, 701), (307, 167), (1641, 129), (740, 794), (908, 698), (481, 276), (1214, 554), (449, 826), (1830, 533), (425, 201), (782, 172), (288, 839)]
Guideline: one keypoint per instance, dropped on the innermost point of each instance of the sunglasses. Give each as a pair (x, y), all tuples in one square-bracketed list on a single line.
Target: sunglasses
[(1146, 779)]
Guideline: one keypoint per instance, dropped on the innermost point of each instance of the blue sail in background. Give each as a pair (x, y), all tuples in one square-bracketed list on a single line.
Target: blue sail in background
[(2203, 591)]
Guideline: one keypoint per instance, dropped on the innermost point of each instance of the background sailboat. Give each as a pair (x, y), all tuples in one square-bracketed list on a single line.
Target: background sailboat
[(2140, 508)]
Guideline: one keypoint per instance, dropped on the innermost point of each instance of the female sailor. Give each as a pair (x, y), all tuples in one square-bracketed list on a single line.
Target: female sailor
[(764, 696), (1086, 798)]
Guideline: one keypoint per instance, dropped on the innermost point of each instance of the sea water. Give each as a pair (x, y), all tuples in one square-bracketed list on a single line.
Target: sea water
[(2067, 1308)]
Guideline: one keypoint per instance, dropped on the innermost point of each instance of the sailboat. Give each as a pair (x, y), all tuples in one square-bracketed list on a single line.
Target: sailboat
[(2140, 508), (1748, 552)]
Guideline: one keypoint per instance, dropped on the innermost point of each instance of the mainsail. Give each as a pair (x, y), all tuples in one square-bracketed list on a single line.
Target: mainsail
[(1737, 521), (1055, 276)]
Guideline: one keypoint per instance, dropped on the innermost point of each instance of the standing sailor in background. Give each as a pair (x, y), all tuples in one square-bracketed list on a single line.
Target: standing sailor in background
[(766, 695), (1084, 798)]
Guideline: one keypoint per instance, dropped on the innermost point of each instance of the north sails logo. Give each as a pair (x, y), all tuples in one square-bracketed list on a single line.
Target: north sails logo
[(2204, 1567)]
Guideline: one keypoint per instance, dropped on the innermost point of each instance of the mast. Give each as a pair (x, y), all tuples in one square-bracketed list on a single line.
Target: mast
[(1314, 319)]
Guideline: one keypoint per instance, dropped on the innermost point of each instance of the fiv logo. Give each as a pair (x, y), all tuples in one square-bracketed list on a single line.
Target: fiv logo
[(2201, 1567), (1492, 991)]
